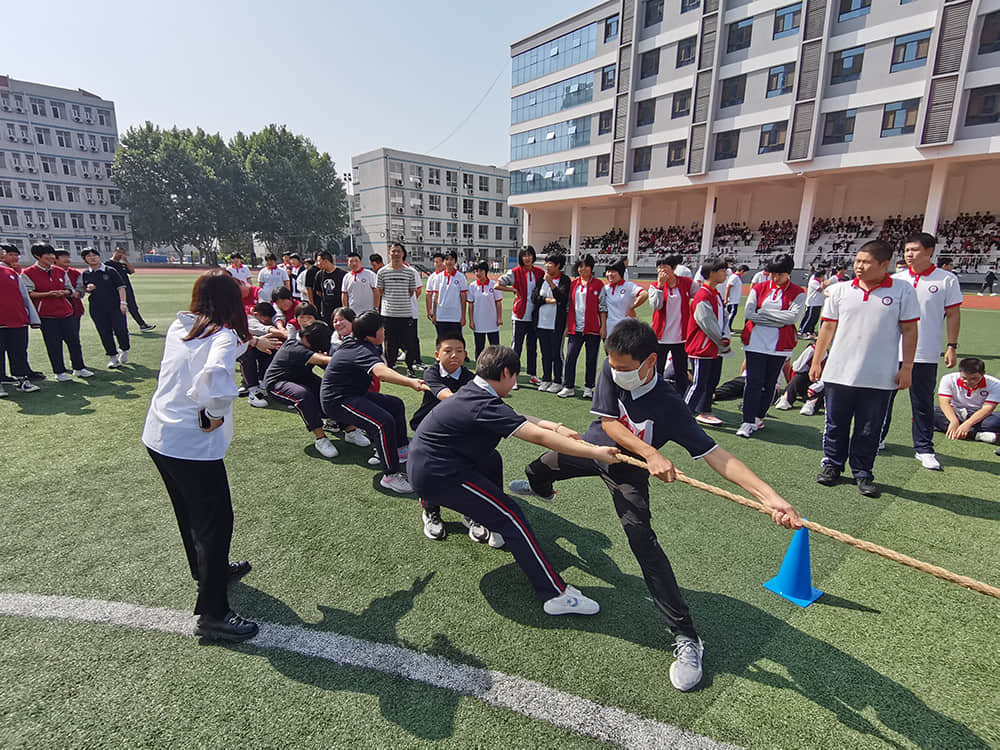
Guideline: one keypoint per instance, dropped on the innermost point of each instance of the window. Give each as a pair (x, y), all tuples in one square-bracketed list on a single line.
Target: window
[(676, 153), (5, 190), (499, 189), (434, 202), (451, 178), (787, 20), (452, 204), (604, 122), (119, 223), (103, 117), (567, 174), (839, 127), (484, 184), (467, 206), (433, 176), (649, 64), (498, 209), (48, 165), (610, 28), (38, 107), (685, 51), (739, 35), (8, 218), (900, 118), (547, 140), (54, 191), (727, 145), (779, 80), (984, 106), (484, 231), (554, 98), (853, 9), (467, 231), (69, 167), (654, 12), (113, 196), (63, 139), (76, 221), (910, 51), (467, 180), (484, 208), (687, 5), (681, 106), (58, 110), (569, 49), (847, 65), (59, 221), (603, 166), (498, 233), (43, 136), (645, 113), (642, 159), (772, 137), (607, 77), (733, 91), (451, 229), (989, 37), (512, 234)]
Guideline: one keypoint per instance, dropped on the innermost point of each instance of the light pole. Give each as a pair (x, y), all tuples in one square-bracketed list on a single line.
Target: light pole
[(349, 179)]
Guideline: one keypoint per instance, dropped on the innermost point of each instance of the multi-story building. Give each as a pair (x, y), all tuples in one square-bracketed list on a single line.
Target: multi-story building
[(654, 113), (432, 204), (56, 183)]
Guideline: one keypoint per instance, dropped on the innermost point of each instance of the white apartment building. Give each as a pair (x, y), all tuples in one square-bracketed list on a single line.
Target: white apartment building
[(56, 184), (654, 113), (431, 204)]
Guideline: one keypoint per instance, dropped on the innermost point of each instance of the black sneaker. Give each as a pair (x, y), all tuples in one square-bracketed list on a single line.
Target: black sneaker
[(828, 475), (866, 486), (232, 627), (411, 373), (239, 569), (147, 327), (36, 375)]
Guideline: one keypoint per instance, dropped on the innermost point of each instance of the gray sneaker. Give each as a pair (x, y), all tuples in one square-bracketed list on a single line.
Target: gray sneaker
[(685, 672), (522, 487)]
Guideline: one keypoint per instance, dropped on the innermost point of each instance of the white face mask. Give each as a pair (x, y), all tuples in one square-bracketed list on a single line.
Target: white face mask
[(628, 379)]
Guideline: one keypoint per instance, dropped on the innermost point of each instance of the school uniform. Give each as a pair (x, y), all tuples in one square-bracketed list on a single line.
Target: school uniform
[(619, 298), (937, 292), (967, 401), (291, 378), (360, 290), (454, 463), (814, 306), (583, 329), (241, 274), (294, 274), (106, 309), (800, 385), (16, 314), (733, 294), (344, 396), (269, 279), (768, 341), (484, 298), (449, 309), (860, 371), (655, 414), (133, 305), (522, 314), (706, 327), (550, 324), (671, 310), (59, 324)]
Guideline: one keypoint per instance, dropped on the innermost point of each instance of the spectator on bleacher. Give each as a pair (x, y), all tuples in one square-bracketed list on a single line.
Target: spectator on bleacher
[(967, 402), (670, 297), (586, 318), (621, 297), (707, 341), (522, 281), (551, 297)]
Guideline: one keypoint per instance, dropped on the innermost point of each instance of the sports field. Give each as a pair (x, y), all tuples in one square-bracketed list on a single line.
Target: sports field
[(889, 657)]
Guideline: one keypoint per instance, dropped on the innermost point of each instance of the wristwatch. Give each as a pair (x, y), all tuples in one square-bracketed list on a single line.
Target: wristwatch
[(953, 345)]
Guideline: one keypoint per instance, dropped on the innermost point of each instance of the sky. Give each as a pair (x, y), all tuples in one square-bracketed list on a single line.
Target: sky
[(349, 76)]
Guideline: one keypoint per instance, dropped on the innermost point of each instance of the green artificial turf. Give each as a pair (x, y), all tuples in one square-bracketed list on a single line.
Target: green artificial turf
[(889, 657)]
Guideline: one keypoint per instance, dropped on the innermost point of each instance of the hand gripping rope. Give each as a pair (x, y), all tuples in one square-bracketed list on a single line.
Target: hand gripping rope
[(861, 544)]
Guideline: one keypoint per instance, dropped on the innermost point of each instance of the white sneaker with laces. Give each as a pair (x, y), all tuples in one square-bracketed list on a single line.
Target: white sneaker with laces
[(745, 430), (986, 437), (26, 386), (83, 373), (63, 377), (543, 386), (686, 671), (808, 408), (358, 438), (783, 403), (477, 532), (496, 540), (397, 483), (256, 398), (522, 487), (433, 526), (588, 392), (758, 424), (566, 393), (374, 460), (123, 356), (929, 461), (554, 387), (325, 447), (571, 602), (114, 362)]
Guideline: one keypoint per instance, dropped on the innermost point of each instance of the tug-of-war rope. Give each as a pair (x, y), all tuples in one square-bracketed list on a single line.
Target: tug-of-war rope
[(840, 536)]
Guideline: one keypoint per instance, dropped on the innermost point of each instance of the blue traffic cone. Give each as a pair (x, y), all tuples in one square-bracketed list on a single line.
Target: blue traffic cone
[(794, 580)]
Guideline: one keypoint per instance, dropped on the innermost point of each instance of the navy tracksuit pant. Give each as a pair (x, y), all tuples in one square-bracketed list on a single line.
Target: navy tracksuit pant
[(922, 406), (59, 331), (383, 420), (525, 330), (865, 408), (990, 424), (575, 342), (700, 393), (680, 359), (14, 346), (304, 397), (762, 378), (110, 324)]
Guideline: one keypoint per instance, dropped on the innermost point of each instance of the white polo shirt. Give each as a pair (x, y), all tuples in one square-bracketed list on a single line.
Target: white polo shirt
[(270, 279), (484, 298), (618, 300), (937, 291), (682, 270), (952, 386), (670, 300), (734, 289), (360, 290), (449, 296), (432, 281), (759, 278), (865, 347), (241, 274), (814, 293)]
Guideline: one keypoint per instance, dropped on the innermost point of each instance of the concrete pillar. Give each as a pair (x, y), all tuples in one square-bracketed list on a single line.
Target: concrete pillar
[(935, 196), (708, 225), (574, 236), (528, 234), (634, 226), (809, 192)]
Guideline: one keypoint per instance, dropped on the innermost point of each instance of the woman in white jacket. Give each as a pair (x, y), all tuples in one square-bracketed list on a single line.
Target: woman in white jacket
[(188, 429)]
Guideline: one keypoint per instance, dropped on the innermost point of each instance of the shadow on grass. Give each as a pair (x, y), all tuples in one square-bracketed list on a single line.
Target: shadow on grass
[(426, 712), (739, 637), (962, 505), (74, 397)]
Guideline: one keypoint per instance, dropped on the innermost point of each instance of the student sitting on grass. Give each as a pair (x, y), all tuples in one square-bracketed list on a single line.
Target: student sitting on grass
[(454, 463), (967, 401), (638, 412), (253, 362), (443, 382)]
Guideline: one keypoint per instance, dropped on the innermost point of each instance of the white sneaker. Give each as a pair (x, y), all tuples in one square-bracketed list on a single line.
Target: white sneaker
[(397, 483), (325, 447), (982, 437), (358, 438), (477, 532), (543, 386), (808, 408), (256, 398), (588, 392), (979, 294), (758, 424), (496, 540), (63, 377), (114, 362), (686, 671), (26, 386), (566, 393), (522, 487), (433, 526), (555, 387), (881, 445), (515, 387), (83, 373), (929, 461), (571, 602), (123, 356), (374, 460), (746, 430), (783, 404)]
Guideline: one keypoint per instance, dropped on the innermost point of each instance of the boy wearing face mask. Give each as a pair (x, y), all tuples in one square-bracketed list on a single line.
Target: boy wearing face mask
[(639, 412)]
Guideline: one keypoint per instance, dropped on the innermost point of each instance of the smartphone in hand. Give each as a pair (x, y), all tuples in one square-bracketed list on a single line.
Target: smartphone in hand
[(203, 421)]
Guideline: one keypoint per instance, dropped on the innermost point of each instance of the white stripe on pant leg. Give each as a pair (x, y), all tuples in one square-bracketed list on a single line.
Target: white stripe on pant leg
[(378, 429), (694, 383)]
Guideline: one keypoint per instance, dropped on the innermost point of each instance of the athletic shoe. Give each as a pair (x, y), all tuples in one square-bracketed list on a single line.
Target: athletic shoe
[(746, 430), (36, 375), (686, 671), (433, 526), (419, 366), (358, 438), (26, 386), (554, 387), (397, 483), (477, 532), (496, 540), (375, 460), (758, 424), (996, 452), (83, 373), (256, 398), (239, 569), (783, 403), (929, 461), (881, 445), (534, 380), (808, 408), (325, 447), (571, 602), (114, 362), (588, 392), (979, 294), (231, 627), (567, 392), (866, 486), (986, 437), (401, 356), (711, 420), (829, 475), (522, 487), (403, 453), (411, 373), (123, 356), (242, 391), (515, 388), (544, 386), (3, 392), (147, 327), (63, 377)]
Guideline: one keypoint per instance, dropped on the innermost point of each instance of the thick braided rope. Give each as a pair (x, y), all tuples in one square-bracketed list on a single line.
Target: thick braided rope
[(861, 544)]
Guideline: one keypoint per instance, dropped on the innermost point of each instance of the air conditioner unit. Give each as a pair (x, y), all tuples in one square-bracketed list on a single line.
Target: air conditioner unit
[(28, 224), (90, 200), (471, 191), (397, 182), (24, 196), (419, 184), (6, 108), (89, 121), (83, 148), (98, 176), (76, 117), (454, 214), (86, 175), (420, 238), (454, 190), (42, 224), (45, 236), (38, 197), (31, 169), (93, 148), (454, 240), (399, 210), (25, 140), (31, 234), (17, 167), (107, 236), (21, 110), (12, 137), (420, 212), (102, 201)]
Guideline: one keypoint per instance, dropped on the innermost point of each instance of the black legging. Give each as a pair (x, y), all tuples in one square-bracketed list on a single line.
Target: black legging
[(550, 342), (525, 330), (680, 359), (762, 377)]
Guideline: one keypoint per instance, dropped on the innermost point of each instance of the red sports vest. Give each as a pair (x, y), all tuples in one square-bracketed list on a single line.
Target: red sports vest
[(12, 312), (74, 276), (49, 281), (521, 288), (786, 334), (591, 314), (684, 285), (698, 343)]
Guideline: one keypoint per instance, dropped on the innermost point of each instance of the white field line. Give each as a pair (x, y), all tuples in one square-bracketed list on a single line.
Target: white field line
[(491, 687)]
